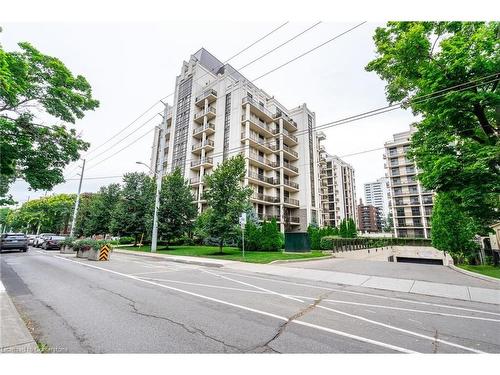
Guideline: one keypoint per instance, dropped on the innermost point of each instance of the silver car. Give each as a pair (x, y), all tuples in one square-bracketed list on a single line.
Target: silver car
[(13, 241), (40, 239)]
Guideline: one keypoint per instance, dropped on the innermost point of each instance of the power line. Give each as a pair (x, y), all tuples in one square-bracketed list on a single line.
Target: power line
[(237, 54), (346, 120), (309, 51)]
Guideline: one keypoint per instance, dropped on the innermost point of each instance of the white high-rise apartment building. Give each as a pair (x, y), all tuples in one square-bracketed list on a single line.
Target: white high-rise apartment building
[(410, 203), (338, 190), (216, 114), (377, 195)]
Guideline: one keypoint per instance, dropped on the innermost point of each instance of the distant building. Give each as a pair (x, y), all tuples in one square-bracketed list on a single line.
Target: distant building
[(377, 195), (338, 190), (369, 218), (410, 203)]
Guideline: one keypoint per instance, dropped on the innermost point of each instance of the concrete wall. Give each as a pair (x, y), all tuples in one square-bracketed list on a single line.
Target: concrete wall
[(383, 253)]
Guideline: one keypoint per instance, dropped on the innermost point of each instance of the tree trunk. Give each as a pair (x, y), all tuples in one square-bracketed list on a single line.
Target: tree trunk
[(135, 240), (220, 246)]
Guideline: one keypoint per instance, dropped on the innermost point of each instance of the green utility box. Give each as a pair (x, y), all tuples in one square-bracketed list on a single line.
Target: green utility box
[(297, 242)]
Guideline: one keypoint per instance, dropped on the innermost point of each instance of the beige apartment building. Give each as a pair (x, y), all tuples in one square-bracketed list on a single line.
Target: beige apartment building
[(338, 188), (410, 204), (216, 114)]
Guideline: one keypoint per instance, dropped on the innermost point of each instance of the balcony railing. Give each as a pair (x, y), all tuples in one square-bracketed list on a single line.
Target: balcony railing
[(291, 136), (268, 217), (292, 201), (285, 117), (203, 128), (209, 110), (292, 219), (195, 180), (201, 161), (291, 184), (257, 105), (261, 177), (263, 160), (265, 198), (291, 167), (260, 124), (207, 142), (290, 151), (209, 92), (257, 139)]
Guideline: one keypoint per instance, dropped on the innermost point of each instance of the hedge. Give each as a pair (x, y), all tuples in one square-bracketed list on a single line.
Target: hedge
[(347, 244)]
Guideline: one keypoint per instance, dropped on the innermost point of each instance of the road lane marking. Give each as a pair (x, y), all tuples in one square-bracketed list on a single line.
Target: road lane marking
[(254, 286), (151, 272), (206, 285), (366, 294), (256, 311), (406, 331)]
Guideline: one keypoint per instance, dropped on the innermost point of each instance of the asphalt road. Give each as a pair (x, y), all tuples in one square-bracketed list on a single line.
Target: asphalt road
[(146, 305)]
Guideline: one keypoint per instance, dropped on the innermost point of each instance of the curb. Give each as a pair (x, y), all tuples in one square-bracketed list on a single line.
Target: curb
[(474, 274), (300, 260), (15, 336), (168, 258)]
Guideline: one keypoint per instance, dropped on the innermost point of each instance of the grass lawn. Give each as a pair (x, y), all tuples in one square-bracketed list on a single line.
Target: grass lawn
[(484, 270), (229, 253)]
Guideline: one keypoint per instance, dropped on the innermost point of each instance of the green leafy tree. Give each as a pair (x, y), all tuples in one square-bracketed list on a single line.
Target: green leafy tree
[(227, 198), (388, 223), (271, 237), (4, 213), (102, 208), (177, 211), (452, 228), (84, 225), (456, 143), (352, 232), (134, 210), (31, 84)]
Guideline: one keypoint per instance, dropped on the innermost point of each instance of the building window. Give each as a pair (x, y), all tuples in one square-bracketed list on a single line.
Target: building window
[(311, 159), (227, 123), (182, 124)]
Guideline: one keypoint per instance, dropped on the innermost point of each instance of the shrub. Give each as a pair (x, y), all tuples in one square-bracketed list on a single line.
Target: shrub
[(85, 243), (68, 241), (264, 237), (126, 240), (316, 234)]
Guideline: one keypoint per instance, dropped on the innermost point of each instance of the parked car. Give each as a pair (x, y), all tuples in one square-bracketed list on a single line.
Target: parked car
[(52, 242), (41, 238), (31, 239), (14, 241)]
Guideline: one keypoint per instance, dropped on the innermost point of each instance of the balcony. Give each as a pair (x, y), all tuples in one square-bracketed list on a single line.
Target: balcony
[(210, 112), (290, 153), (290, 138), (261, 161), (265, 198), (292, 220), (291, 168), (258, 126), (210, 95), (290, 185), (260, 178), (288, 123), (205, 162), (258, 143), (195, 181), (268, 217), (208, 128), (291, 202), (258, 109), (208, 145)]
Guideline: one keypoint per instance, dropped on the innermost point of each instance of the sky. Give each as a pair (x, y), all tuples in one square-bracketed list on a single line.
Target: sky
[(130, 66)]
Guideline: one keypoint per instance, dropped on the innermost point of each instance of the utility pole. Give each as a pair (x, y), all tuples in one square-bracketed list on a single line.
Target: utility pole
[(75, 211), (159, 176)]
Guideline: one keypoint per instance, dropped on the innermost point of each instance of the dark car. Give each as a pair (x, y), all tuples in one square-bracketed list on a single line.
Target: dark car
[(52, 242), (14, 241)]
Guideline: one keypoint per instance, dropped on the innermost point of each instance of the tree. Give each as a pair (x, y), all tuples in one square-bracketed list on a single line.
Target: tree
[(227, 198), (456, 143), (452, 228), (102, 208), (351, 228), (388, 224), (34, 84), (177, 211), (134, 210)]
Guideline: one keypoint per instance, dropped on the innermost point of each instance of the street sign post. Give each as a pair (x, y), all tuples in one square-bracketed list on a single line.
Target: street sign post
[(243, 222)]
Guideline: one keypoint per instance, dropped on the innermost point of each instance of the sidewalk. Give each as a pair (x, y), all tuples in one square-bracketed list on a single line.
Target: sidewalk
[(14, 336), (460, 292)]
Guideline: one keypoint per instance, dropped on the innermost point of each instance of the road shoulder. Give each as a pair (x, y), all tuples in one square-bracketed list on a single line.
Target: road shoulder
[(14, 336)]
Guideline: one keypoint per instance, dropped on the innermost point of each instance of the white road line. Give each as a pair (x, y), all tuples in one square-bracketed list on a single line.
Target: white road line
[(412, 310), (365, 294), (205, 285), (408, 332), (256, 311), (254, 286)]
